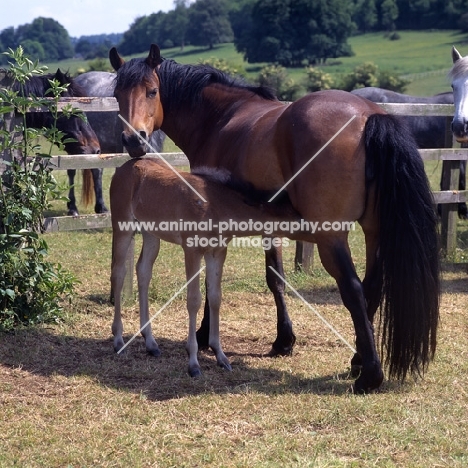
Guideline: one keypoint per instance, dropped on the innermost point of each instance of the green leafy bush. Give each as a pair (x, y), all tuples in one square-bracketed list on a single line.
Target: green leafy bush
[(31, 288)]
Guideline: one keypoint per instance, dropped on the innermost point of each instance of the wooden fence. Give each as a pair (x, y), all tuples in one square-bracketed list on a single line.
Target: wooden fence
[(448, 197)]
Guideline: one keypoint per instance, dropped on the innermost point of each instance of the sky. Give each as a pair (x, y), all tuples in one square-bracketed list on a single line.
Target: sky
[(82, 17)]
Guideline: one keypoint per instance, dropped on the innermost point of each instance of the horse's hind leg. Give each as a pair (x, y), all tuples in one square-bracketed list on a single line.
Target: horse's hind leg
[(71, 204), (100, 206), (214, 260), (285, 338), (144, 269), (121, 241), (372, 285), (336, 259)]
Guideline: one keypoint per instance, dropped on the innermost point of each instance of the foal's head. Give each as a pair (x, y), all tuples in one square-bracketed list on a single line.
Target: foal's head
[(137, 92)]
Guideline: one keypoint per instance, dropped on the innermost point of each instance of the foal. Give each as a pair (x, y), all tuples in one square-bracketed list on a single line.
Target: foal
[(147, 191)]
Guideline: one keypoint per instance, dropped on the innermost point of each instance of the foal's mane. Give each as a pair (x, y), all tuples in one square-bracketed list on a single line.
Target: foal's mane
[(459, 69)]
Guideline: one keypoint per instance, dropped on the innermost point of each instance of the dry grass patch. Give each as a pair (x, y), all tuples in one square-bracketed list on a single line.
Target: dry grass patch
[(68, 400)]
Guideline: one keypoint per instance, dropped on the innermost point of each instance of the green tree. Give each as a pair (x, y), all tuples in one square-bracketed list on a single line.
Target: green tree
[(174, 26), (291, 32), (143, 31), (209, 23), (276, 77), (51, 35), (365, 15), (389, 12)]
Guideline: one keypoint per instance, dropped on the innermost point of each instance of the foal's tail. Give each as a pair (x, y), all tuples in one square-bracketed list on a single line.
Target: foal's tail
[(408, 257), (87, 189)]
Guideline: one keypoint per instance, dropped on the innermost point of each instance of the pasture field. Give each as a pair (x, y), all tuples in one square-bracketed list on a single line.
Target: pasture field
[(68, 401), (423, 55)]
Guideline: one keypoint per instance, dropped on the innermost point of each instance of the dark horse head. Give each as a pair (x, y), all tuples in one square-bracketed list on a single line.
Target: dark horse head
[(73, 127)]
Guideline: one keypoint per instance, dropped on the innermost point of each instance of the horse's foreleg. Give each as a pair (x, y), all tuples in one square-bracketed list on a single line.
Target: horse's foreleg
[(121, 241), (214, 260), (194, 298), (100, 206), (71, 204), (285, 338), (144, 270), (336, 259)]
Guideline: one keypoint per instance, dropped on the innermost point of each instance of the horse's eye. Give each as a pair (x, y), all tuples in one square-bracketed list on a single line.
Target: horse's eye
[(153, 93)]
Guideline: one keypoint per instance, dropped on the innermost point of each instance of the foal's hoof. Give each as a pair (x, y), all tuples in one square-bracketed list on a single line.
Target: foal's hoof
[(195, 372), (155, 352), (73, 212), (225, 365)]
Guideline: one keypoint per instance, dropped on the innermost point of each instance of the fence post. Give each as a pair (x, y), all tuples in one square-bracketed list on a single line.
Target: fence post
[(304, 258), (449, 211)]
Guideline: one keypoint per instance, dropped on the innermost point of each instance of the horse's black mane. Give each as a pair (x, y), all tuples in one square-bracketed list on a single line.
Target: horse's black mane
[(37, 85), (183, 84)]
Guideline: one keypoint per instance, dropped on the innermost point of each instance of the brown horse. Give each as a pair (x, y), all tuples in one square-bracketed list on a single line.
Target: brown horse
[(339, 157), (148, 192)]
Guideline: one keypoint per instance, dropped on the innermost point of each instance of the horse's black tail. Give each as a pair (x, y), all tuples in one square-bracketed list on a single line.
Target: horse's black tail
[(408, 256)]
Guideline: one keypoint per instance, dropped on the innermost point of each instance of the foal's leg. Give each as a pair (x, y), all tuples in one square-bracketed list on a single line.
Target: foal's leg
[(71, 204), (194, 298), (144, 271), (99, 206), (121, 241), (285, 339), (336, 259), (214, 260)]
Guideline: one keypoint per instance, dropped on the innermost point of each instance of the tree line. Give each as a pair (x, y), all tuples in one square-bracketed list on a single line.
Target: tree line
[(286, 32)]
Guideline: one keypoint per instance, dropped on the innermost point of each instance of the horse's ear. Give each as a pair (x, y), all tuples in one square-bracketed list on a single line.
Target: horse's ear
[(115, 59), (455, 54), (60, 76), (154, 56)]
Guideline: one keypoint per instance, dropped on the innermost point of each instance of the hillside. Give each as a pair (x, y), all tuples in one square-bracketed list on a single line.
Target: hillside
[(422, 56)]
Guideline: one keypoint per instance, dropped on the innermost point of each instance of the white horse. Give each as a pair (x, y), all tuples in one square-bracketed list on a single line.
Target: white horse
[(459, 77)]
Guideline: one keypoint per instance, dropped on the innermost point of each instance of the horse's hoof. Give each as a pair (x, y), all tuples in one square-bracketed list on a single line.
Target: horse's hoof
[(72, 212), (368, 381), (355, 371), (225, 365), (195, 372), (100, 209), (283, 347), (155, 352)]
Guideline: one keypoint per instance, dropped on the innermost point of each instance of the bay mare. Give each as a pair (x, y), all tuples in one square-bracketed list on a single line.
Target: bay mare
[(428, 130), (147, 191), (73, 127), (340, 158)]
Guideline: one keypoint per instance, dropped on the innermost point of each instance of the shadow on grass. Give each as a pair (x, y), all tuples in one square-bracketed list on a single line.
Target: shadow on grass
[(45, 354)]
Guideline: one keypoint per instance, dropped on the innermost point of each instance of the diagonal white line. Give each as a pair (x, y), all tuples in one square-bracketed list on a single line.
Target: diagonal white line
[(160, 157), (312, 158), (160, 310), (337, 333)]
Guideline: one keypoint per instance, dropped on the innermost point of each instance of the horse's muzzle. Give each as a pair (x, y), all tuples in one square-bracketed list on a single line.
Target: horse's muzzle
[(460, 130), (135, 145)]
